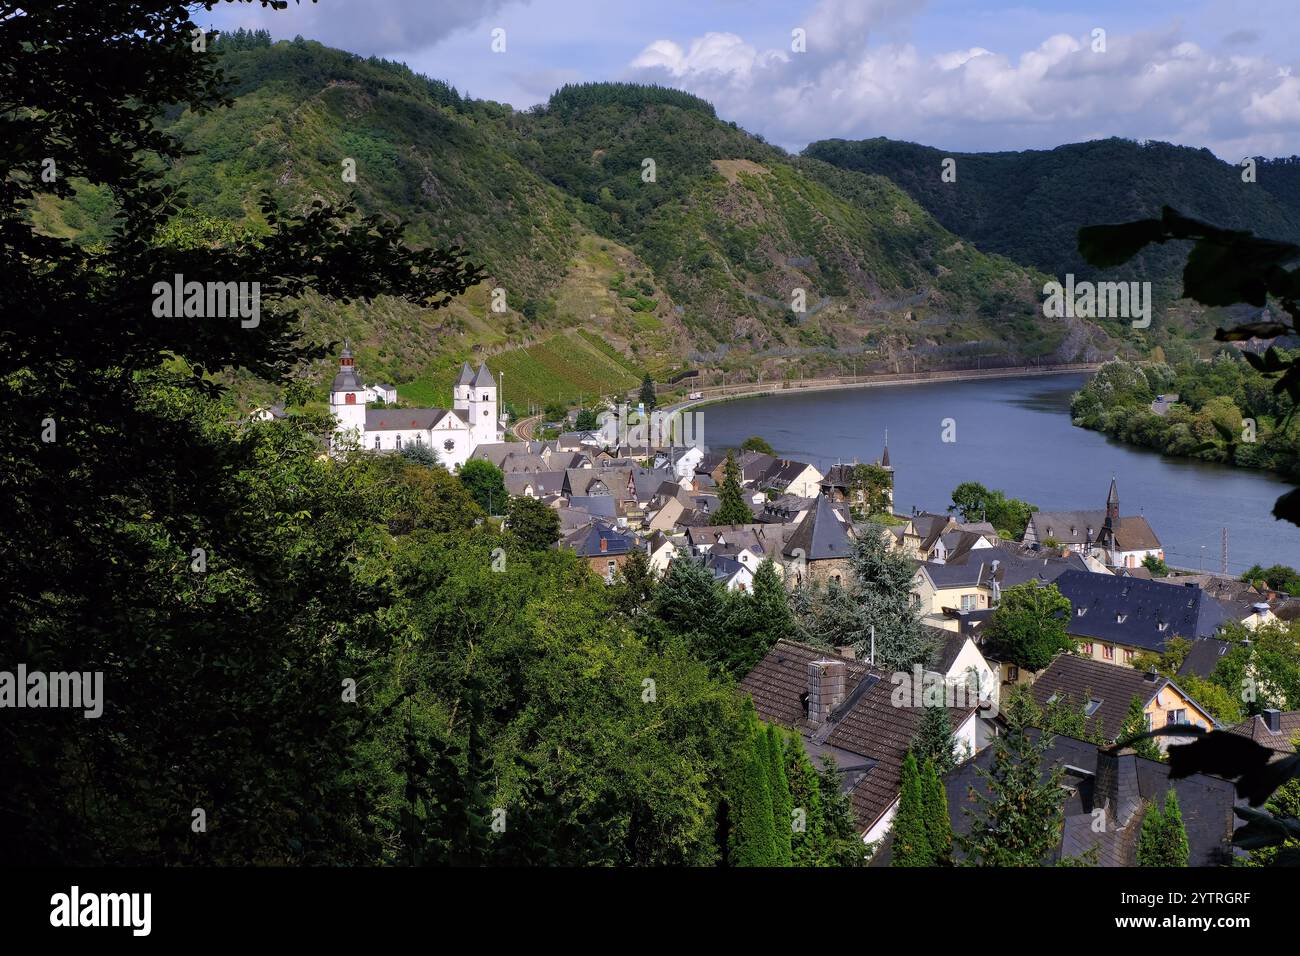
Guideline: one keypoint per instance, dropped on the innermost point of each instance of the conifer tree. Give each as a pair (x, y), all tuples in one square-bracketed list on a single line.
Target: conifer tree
[(752, 840), (648, 398), (782, 804), (731, 498), (808, 844), (1018, 821), (882, 583), (1162, 841), (938, 826), (934, 740), (911, 842)]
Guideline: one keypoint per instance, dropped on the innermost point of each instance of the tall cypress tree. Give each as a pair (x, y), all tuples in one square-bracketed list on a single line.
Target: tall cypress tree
[(731, 498), (782, 804), (938, 826), (911, 842), (753, 831), (809, 843)]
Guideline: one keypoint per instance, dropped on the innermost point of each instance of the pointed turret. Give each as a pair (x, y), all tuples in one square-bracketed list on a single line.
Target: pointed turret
[(484, 378), (884, 456), (460, 394), (1112, 503)]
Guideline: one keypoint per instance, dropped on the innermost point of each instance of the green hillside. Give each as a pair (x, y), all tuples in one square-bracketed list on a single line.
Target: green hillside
[(1029, 205), (698, 266)]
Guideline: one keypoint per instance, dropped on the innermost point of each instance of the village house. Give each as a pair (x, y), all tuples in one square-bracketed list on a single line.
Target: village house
[(605, 548), (1118, 787), (1114, 618), (845, 710), (1104, 693), (1275, 729), (819, 547), (975, 580), (1116, 541)]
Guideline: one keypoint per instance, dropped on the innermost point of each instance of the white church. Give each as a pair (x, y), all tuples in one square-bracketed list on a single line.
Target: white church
[(453, 433)]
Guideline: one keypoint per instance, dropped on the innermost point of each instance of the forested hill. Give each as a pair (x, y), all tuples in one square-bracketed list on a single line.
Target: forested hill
[(1029, 205), (629, 227)]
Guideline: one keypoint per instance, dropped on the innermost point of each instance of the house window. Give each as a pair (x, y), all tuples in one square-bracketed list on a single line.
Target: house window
[(1013, 672), (398, 442), (611, 568), (969, 602), (1093, 706), (1107, 652), (914, 599), (1178, 716), (376, 441), (1128, 655), (1146, 720), (1086, 649)]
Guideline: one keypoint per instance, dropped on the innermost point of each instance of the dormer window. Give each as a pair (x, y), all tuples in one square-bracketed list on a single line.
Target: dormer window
[(1121, 618), (1162, 626), (1081, 611), (1093, 706)]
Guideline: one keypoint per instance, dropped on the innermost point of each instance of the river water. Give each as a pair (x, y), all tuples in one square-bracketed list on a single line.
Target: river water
[(1015, 434)]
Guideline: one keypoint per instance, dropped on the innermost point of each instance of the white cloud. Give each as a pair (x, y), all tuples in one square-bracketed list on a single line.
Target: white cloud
[(1156, 85)]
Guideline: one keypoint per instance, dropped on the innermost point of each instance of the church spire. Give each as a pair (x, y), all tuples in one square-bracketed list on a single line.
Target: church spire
[(884, 457), (1112, 503)]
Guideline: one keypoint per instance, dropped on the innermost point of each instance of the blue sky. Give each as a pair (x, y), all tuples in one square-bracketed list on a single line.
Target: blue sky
[(958, 74)]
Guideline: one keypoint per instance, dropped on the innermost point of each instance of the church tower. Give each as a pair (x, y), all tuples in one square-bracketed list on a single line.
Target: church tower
[(464, 388), (348, 397), (483, 409), (1112, 505)]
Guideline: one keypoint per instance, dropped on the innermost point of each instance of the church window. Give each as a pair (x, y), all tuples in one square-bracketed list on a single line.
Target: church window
[(398, 444), (449, 444), (376, 441)]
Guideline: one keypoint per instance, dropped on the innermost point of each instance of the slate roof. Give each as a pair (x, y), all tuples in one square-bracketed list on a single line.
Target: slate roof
[(586, 541), (1203, 656), (1081, 680), (1067, 527), (1257, 730), (820, 534), (403, 419), (1206, 802), (866, 735), (483, 378), (466, 375), (1131, 534), (1143, 605), (782, 472), (976, 568)]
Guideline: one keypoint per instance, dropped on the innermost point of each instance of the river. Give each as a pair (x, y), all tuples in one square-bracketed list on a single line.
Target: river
[(1015, 434)]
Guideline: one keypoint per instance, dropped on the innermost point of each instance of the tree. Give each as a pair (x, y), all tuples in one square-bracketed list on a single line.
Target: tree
[(486, 485), (1028, 626), (934, 742), (587, 420), (1155, 565), (1162, 839), (782, 803), (911, 846), (753, 839), (420, 454), (755, 443), (533, 523), (1009, 516), (689, 603), (211, 571), (648, 398), (731, 498), (881, 589), (1135, 723), (1018, 821), (634, 585), (938, 826), (555, 411), (874, 484)]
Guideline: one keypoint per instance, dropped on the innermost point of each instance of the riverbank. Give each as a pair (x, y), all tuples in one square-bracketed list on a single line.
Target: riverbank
[(728, 393)]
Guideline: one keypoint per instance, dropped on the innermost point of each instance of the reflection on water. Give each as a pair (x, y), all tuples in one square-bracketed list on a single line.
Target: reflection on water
[(1016, 435)]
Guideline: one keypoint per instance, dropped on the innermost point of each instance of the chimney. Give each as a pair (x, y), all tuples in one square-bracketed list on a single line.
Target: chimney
[(1273, 720), (1151, 675), (604, 544), (826, 680), (847, 651), (1116, 785)]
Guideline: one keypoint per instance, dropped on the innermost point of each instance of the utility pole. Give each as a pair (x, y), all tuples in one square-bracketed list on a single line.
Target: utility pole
[(1223, 556)]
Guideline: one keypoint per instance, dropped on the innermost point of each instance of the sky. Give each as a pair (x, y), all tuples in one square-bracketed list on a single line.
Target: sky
[(963, 75)]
